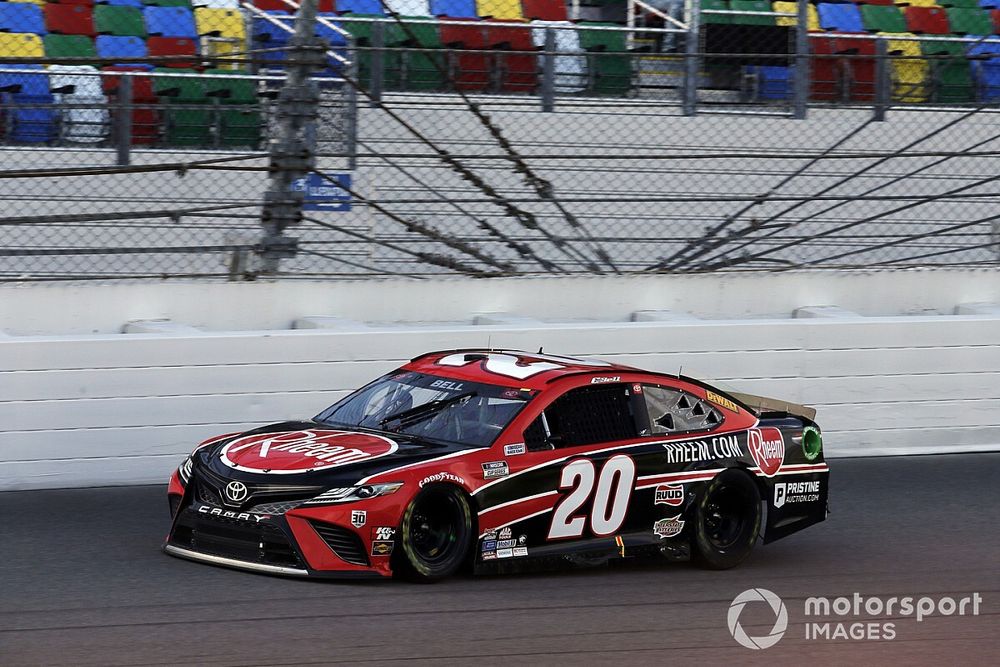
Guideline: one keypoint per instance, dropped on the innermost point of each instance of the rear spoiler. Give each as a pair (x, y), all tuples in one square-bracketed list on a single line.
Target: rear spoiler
[(762, 404)]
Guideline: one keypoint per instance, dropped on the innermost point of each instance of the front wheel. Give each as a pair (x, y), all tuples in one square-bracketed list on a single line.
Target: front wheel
[(727, 520), (436, 533)]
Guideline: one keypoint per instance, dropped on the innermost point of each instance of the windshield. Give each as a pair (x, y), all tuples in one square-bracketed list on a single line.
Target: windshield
[(431, 407)]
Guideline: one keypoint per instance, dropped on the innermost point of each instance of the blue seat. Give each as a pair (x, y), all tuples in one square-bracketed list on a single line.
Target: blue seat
[(360, 7), (338, 44), (21, 17), (124, 3), (457, 9), (121, 48), (31, 115), (773, 82), (985, 64), (266, 35), (989, 4), (170, 22), (840, 18)]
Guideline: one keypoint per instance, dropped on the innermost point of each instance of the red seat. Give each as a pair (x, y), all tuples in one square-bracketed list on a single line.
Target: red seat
[(995, 15), (88, 3), (271, 5), (546, 10), (469, 71), (861, 71), (173, 46), (927, 20), (874, 2), (515, 55), (825, 71), (145, 117), (69, 19)]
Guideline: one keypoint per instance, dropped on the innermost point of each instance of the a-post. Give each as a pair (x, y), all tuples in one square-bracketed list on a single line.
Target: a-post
[(692, 9), (802, 64), (291, 155)]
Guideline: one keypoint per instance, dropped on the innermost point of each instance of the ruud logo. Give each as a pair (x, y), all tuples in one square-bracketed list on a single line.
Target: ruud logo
[(236, 491)]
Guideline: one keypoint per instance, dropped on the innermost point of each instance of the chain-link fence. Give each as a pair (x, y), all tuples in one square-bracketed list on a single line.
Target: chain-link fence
[(163, 139)]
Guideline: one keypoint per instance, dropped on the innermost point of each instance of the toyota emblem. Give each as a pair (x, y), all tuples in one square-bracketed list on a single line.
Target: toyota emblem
[(236, 491)]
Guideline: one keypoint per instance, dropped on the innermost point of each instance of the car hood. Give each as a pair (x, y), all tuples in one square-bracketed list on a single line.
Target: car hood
[(314, 453)]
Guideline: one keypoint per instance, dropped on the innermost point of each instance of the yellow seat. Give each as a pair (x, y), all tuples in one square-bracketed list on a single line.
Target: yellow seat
[(33, 2), (909, 77), (21, 45), (222, 32), (917, 3), (786, 6), (503, 10)]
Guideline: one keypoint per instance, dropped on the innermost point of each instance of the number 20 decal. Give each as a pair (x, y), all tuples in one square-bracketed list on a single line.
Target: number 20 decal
[(607, 511)]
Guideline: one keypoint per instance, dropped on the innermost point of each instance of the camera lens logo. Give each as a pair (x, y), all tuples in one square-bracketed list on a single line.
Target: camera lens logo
[(780, 618)]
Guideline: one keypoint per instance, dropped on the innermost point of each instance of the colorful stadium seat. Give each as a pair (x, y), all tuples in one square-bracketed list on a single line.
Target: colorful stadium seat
[(169, 3), (266, 35), (70, 46), (570, 64), (751, 6), (969, 21), (910, 72), (455, 9), (170, 22), (120, 47), (188, 115), (20, 17), (774, 82), (31, 116), (790, 7), (918, 3), (368, 7), (882, 18), (120, 21), (216, 4), (546, 10), (222, 32), (611, 73), (21, 45), (840, 18), (239, 119), (124, 3), (338, 43), (951, 75), (470, 71), (958, 3), (927, 20), (515, 61), (424, 70), (860, 70), (30, 2), (716, 19), (501, 10), (173, 46), (411, 8), (995, 17), (69, 19), (87, 3), (391, 37), (77, 92)]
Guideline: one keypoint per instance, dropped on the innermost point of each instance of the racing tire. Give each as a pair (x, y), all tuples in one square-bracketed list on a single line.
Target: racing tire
[(727, 518), (436, 534)]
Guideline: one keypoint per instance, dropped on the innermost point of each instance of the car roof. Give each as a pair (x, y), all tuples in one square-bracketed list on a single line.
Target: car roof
[(471, 364)]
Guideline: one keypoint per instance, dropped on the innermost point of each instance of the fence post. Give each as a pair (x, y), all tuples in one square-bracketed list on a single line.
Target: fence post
[(351, 115), (692, 8), (290, 153), (883, 83), (377, 61), (549, 71), (802, 63), (123, 135)]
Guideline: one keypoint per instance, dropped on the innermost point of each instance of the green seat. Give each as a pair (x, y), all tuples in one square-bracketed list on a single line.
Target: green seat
[(883, 18), (241, 126), (70, 46), (959, 3), (119, 20), (188, 112), (969, 21), (167, 3), (392, 36), (751, 6), (608, 61), (719, 18), (423, 71), (951, 77)]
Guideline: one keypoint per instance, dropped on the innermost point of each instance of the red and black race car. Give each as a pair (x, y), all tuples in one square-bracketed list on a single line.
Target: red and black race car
[(496, 458)]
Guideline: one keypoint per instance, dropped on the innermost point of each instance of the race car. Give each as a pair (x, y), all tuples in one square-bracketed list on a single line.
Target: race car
[(489, 460)]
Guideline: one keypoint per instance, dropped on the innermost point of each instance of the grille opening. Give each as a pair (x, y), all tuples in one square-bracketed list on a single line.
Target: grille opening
[(231, 538), (345, 543)]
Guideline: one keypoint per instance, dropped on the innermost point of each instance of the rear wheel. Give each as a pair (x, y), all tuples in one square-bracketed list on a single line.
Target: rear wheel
[(436, 533), (727, 520)]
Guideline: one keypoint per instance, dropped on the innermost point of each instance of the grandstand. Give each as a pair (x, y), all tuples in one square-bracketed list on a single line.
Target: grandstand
[(937, 54)]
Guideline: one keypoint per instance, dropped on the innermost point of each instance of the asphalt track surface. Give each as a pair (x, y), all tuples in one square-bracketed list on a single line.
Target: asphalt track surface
[(83, 583)]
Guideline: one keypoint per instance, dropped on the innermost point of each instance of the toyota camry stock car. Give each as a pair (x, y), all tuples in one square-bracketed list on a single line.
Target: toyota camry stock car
[(492, 459)]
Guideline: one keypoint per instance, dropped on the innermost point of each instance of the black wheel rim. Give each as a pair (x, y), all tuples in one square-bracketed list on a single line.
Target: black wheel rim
[(727, 515), (434, 527)]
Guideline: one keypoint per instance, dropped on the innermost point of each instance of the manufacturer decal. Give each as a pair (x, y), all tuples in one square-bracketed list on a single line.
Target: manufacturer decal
[(722, 400), (236, 492), (447, 385), (505, 553), (523, 539), (489, 545), (605, 379), (383, 532), (290, 452), (520, 551), (506, 544), (442, 477), (227, 514), (515, 449), (795, 492), (382, 547), (490, 555), (669, 494), (504, 533), (719, 447), (767, 449), (358, 518), (495, 469), (668, 527)]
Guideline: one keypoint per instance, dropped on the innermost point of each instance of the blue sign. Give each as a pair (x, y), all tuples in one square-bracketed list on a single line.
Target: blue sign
[(324, 193)]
